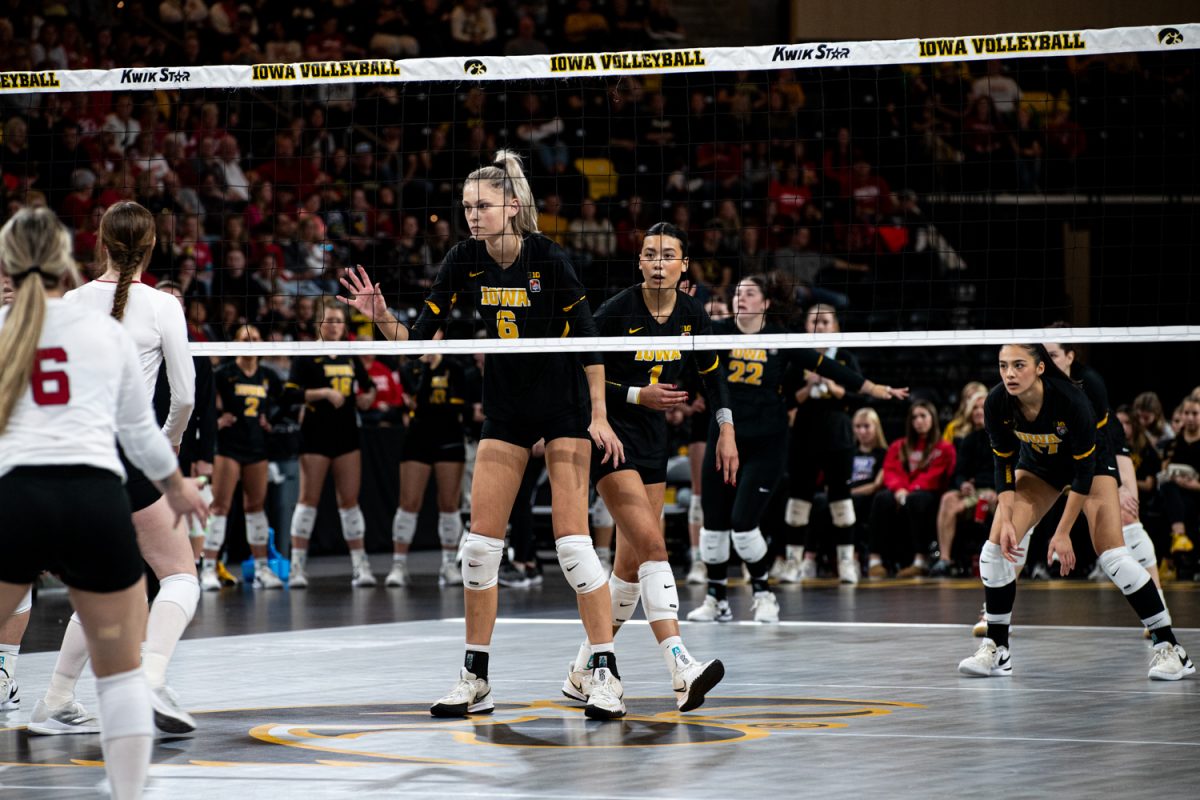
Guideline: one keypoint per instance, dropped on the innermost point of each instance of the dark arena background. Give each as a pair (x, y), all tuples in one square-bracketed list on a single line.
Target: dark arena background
[(942, 178)]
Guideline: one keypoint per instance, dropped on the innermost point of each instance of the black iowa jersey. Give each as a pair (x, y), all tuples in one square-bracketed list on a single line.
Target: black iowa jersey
[(249, 398), (641, 430), (755, 378), (439, 392), (1110, 436), (539, 295), (1059, 446), (346, 375), (822, 420)]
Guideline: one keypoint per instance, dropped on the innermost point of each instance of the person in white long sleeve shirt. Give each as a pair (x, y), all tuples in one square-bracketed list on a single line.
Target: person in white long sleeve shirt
[(69, 387), (155, 323)]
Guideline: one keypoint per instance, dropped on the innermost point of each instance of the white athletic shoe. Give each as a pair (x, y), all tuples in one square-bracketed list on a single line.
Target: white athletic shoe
[(398, 576), (296, 577), (209, 581), (695, 680), (988, 661), (578, 684), (791, 572), (711, 611), (362, 577), (10, 693), (168, 716), (808, 569), (470, 695), (848, 571), (778, 568), (606, 699), (766, 607), (265, 577), (450, 575), (697, 573), (66, 719), (1170, 663)]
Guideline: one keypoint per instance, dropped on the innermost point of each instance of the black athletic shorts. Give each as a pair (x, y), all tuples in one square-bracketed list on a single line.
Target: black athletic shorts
[(142, 493), (1061, 472), (314, 440), (433, 444), (525, 432), (241, 456), (650, 473), (71, 520)]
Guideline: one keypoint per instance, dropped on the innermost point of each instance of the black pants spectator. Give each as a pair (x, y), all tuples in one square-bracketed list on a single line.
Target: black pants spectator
[(899, 531)]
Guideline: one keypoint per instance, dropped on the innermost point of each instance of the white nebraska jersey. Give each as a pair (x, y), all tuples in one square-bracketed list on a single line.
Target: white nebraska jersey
[(86, 391), (154, 320)]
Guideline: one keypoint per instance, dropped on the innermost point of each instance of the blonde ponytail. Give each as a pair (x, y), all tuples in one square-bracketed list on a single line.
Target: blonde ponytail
[(35, 249), (508, 175)]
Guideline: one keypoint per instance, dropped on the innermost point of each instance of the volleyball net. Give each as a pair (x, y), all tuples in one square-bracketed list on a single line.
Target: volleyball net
[(952, 192)]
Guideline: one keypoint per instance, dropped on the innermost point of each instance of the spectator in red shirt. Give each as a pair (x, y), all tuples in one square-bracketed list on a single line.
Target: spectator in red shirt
[(916, 470)]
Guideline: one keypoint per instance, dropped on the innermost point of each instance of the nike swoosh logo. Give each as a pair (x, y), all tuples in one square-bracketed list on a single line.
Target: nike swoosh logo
[(668, 586), (635, 330), (1003, 662), (474, 564), (763, 489), (476, 274), (572, 567), (625, 605), (1135, 546)]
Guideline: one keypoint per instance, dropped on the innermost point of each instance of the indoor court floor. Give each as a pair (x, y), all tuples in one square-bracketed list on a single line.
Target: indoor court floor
[(325, 693)]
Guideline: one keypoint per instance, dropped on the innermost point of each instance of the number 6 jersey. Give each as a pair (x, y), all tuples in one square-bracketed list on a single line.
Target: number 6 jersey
[(86, 391)]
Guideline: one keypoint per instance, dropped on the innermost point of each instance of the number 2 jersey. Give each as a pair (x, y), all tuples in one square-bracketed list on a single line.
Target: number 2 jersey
[(1059, 445), (643, 431), (538, 295), (87, 387), (248, 398), (755, 377)]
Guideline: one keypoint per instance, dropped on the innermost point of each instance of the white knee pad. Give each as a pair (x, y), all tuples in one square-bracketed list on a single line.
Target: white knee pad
[(481, 561), (695, 511), (216, 533), (1140, 545), (1021, 559), (625, 596), (601, 517), (183, 590), (304, 518), (714, 546), (1123, 570), (258, 531), (797, 512), (404, 526), (660, 596), (580, 564), (843, 514), (26, 602), (994, 568), (449, 529), (354, 526), (125, 708), (750, 545)]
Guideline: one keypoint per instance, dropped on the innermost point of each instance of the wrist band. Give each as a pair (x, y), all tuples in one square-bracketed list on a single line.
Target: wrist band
[(724, 416), (632, 395)]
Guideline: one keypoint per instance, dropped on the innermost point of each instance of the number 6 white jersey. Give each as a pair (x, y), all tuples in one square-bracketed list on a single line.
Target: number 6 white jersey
[(86, 390)]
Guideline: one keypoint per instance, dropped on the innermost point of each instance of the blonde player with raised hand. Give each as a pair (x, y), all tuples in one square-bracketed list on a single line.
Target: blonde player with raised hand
[(70, 384)]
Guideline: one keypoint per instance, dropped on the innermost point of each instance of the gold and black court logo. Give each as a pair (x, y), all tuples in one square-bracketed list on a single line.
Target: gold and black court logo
[(475, 67), (392, 733), (1170, 36)]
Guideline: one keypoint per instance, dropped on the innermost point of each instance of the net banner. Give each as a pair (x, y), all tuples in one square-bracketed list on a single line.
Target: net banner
[(706, 59)]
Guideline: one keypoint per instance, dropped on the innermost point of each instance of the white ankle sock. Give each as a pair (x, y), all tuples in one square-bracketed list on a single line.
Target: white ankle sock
[(72, 658), (674, 653)]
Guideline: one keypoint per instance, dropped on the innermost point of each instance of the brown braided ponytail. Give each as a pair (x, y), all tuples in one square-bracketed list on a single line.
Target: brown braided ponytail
[(127, 233)]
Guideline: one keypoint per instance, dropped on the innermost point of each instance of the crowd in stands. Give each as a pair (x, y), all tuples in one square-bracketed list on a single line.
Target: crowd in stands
[(819, 176)]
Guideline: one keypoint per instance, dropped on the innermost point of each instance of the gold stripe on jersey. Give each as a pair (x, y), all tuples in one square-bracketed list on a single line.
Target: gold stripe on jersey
[(1082, 456), (566, 329), (1009, 454), (716, 363), (1102, 422), (433, 307), (577, 302)]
